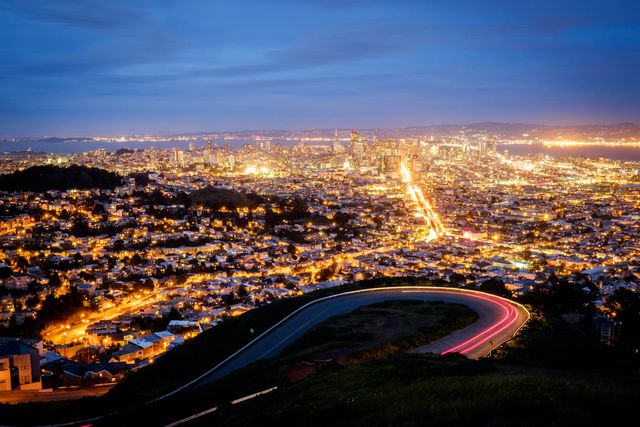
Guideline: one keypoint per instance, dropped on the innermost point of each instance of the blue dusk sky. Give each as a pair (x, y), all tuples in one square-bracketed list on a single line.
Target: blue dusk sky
[(83, 67)]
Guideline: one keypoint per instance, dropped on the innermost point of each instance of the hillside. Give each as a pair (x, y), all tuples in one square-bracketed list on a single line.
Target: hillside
[(355, 369), (216, 198), (414, 390), (45, 178)]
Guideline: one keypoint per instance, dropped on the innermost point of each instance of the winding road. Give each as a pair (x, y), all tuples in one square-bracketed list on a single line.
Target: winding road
[(498, 321)]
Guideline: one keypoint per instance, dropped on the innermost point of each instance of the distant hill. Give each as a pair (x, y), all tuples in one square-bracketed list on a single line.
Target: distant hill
[(498, 129), (122, 151), (515, 130), (494, 129), (216, 198), (45, 178)]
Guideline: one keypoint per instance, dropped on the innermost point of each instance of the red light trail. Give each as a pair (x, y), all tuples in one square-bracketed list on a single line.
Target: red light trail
[(484, 337)]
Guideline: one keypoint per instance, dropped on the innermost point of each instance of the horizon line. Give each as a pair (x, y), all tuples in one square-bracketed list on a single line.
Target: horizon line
[(195, 132)]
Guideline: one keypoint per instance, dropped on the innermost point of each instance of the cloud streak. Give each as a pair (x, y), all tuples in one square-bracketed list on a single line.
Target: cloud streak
[(80, 13), (170, 59)]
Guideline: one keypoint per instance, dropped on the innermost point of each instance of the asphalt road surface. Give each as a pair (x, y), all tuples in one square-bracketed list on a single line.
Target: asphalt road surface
[(498, 321), (18, 396)]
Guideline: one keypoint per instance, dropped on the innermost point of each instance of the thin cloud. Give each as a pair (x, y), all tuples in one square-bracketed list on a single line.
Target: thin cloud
[(79, 13), (352, 44)]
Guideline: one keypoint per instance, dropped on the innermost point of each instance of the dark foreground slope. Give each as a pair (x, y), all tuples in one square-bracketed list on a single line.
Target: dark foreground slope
[(415, 390), (398, 389)]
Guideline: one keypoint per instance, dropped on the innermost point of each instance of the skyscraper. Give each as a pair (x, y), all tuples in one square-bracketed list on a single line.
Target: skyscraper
[(336, 143)]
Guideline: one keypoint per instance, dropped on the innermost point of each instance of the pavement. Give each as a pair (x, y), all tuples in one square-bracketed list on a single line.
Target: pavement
[(18, 396), (498, 321)]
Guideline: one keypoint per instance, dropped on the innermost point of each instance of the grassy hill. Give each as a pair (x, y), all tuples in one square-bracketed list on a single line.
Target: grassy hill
[(415, 390), (539, 379)]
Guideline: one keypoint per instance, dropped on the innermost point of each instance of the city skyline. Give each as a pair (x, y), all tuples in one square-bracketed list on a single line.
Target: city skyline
[(74, 68)]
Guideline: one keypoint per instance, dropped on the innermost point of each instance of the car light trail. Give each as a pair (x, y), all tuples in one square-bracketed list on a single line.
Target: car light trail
[(510, 317)]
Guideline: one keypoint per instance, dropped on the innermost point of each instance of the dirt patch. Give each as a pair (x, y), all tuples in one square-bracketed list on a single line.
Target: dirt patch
[(373, 332)]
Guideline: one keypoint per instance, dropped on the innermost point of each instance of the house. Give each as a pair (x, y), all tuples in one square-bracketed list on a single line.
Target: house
[(68, 350), (105, 372), (5, 374), (74, 373), (87, 288), (19, 366), (144, 347), (184, 328), (240, 308), (7, 309), (23, 315), (18, 281), (607, 330)]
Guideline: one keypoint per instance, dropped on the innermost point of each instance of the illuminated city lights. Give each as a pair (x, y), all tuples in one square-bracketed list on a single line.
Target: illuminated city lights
[(211, 233)]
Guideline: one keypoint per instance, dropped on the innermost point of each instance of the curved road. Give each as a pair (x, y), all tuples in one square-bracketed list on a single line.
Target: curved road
[(498, 321)]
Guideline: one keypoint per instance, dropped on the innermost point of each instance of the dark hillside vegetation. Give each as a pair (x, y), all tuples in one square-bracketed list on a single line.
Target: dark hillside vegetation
[(46, 178), (217, 198)]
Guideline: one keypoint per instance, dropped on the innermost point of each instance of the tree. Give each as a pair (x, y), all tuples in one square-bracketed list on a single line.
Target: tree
[(625, 306), (5, 272), (327, 272), (54, 280), (457, 278), (136, 259), (80, 228), (566, 297), (58, 309), (242, 291), (494, 286), (48, 177), (342, 218), (118, 245), (137, 286), (228, 299), (379, 221), (78, 259), (292, 250), (22, 264), (98, 208), (148, 285), (32, 301), (84, 275), (174, 314), (169, 270)]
